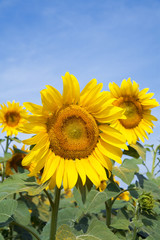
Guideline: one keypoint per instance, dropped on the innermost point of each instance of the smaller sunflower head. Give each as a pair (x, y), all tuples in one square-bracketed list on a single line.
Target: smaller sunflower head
[(124, 196), (146, 203), (137, 107), (12, 117), (15, 161)]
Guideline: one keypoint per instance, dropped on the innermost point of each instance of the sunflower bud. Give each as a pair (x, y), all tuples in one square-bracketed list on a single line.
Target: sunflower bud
[(146, 203)]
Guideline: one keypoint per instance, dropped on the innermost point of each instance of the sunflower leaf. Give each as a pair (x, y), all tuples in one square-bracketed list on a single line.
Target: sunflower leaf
[(95, 201), (7, 209), (97, 231), (140, 150), (22, 213), (63, 231), (1, 237), (19, 183), (126, 171)]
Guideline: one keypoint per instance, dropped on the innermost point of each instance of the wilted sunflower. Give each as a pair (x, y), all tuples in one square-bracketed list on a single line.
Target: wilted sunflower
[(16, 160), (12, 117), (73, 137), (137, 105)]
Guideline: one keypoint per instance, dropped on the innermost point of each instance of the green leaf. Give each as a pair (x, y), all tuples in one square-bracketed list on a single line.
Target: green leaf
[(95, 201), (140, 150), (20, 182), (22, 214), (152, 187), (46, 232), (2, 140), (112, 190), (7, 209), (64, 232), (121, 235), (151, 227), (78, 198), (97, 231), (131, 152), (126, 171), (137, 223), (17, 150), (68, 215), (15, 139), (119, 204), (7, 156), (1, 237), (122, 224)]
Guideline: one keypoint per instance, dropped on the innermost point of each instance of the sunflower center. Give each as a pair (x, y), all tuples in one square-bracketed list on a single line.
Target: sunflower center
[(73, 132), (133, 111), (12, 118)]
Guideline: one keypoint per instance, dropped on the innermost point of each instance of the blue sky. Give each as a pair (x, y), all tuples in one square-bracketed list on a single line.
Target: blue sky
[(104, 39)]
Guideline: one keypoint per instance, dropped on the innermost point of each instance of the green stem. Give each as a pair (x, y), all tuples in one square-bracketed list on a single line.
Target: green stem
[(3, 172), (108, 212), (27, 229), (136, 217), (134, 233), (49, 198), (3, 165), (7, 145), (154, 159), (54, 214)]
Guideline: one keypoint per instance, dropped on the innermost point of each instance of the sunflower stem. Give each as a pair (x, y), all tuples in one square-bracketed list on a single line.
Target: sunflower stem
[(54, 214), (108, 212), (136, 218), (3, 165), (49, 198), (7, 145), (154, 159)]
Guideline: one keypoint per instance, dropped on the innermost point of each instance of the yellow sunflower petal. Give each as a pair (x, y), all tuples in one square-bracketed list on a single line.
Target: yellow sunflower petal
[(81, 171), (72, 173), (90, 172), (50, 167), (59, 173), (97, 167), (110, 151), (71, 89), (33, 108)]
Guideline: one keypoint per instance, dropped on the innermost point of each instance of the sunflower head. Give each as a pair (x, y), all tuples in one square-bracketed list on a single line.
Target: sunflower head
[(72, 134), (137, 107), (124, 196), (146, 203), (12, 117), (15, 161)]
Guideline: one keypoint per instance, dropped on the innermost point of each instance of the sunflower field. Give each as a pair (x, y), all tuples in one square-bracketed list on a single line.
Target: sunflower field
[(82, 173)]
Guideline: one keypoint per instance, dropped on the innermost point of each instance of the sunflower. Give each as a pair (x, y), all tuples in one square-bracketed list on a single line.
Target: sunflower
[(124, 196), (12, 117), (73, 138), (15, 161), (137, 105)]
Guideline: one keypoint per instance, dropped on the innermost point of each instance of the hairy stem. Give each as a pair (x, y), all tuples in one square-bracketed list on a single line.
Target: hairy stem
[(54, 214), (108, 212)]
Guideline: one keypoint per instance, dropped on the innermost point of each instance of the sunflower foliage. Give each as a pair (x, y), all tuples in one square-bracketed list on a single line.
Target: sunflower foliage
[(102, 188), (25, 207)]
